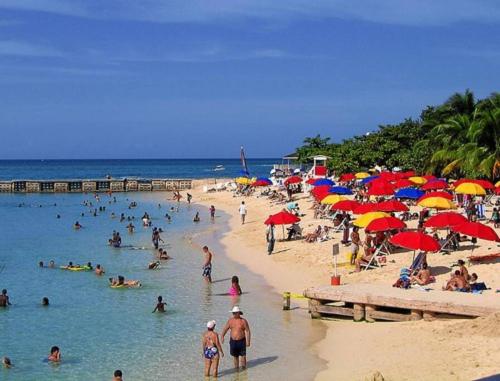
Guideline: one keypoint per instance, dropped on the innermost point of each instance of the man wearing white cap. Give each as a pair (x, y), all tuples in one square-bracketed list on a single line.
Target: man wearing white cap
[(240, 337), (212, 350)]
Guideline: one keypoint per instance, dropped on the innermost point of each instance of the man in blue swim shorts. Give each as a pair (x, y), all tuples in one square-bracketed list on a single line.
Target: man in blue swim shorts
[(240, 337)]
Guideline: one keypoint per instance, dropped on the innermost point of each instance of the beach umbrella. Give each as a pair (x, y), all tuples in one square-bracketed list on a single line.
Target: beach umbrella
[(369, 179), (381, 189), (311, 181), (346, 205), (429, 177), (410, 193), (485, 184), (477, 230), (267, 179), (402, 183), (340, 190), (293, 180), (362, 175), (384, 224), (388, 176), (319, 182), (437, 203), (347, 177), (445, 195), (365, 208), (471, 189), (332, 199), (414, 240), (282, 218), (497, 190), (320, 192), (261, 183), (434, 185), (497, 184), (391, 206), (366, 218), (445, 220), (243, 181), (419, 180), (407, 174)]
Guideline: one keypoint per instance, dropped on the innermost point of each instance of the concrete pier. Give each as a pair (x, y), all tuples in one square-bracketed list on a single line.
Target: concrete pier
[(91, 186)]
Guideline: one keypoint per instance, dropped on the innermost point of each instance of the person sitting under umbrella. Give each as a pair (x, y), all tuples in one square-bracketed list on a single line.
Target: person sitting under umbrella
[(294, 231)]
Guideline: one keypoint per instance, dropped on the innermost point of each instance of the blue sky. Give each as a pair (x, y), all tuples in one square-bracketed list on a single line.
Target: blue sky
[(198, 78)]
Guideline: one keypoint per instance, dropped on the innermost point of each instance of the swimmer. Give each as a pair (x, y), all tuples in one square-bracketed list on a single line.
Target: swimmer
[(89, 265), (153, 265), (162, 254), (118, 375), (130, 227), (77, 225), (99, 270), (160, 306), (40, 264), (196, 217), (52, 265), (6, 363), (58, 216), (4, 299), (235, 289), (45, 301), (120, 281), (55, 354)]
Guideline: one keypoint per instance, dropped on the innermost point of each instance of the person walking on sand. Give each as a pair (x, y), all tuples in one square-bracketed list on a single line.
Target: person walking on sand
[(207, 266), (243, 212), (212, 350), (240, 338), (270, 238)]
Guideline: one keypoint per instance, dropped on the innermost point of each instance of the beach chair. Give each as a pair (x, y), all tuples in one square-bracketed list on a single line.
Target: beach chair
[(375, 259), (417, 262)]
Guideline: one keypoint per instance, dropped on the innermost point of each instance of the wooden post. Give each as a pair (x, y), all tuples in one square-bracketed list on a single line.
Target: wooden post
[(359, 312), (286, 301), (368, 313), (416, 315), (313, 308)]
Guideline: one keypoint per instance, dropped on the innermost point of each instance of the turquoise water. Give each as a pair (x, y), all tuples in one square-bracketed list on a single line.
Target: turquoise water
[(100, 329)]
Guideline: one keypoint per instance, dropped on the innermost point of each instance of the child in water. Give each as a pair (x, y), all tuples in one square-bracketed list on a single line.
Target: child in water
[(55, 354), (235, 289), (160, 306)]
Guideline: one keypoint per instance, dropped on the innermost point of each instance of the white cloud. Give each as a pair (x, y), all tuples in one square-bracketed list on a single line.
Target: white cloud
[(26, 49), (404, 12)]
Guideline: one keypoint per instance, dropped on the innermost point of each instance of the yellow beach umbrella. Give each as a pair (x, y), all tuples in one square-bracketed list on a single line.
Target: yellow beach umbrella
[(243, 181), (362, 175), (332, 199), (418, 180), (497, 184), (470, 188), (366, 218), (437, 203)]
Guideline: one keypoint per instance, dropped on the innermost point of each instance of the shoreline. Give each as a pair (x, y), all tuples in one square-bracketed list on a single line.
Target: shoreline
[(296, 266)]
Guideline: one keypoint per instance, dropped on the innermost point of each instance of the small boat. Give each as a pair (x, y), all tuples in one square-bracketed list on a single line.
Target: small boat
[(219, 168)]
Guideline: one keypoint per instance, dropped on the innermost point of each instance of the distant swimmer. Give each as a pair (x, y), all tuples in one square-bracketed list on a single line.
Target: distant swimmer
[(235, 289), (99, 270), (45, 301), (7, 364), (212, 212), (160, 306), (130, 228), (52, 265), (77, 225), (89, 266), (167, 216), (58, 216), (154, 265), (40, 264), (118, 375), (121, 282), (162, 254), (207, 265), (212, 350), (156, 238), (4, 299), (196, 217), (55, 354)]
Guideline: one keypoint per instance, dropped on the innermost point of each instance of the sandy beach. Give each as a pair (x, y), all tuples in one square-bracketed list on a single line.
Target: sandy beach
[(442, 349)]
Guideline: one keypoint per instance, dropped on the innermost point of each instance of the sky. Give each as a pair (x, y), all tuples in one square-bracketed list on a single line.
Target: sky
[(200, 78)]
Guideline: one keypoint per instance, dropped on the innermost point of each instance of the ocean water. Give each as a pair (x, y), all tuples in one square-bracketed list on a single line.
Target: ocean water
[(100, 329), (147, 168)]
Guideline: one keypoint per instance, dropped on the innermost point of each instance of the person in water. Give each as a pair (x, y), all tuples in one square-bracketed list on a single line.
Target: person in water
[(89, 266), (4, 299), (240, 337), (235, 289), (7, 364), (120, 281), (45, 301), (212, 350), (99, 270), (52, 265), (55, 354), (153, 265), (207, 265), (196, 217), (40, 264), (163, 255), (160, 306), (212, 212), (118, 375), (77, 225)]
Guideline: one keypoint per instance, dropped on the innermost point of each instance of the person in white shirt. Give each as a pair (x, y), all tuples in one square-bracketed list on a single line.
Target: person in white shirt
[(243, 212)]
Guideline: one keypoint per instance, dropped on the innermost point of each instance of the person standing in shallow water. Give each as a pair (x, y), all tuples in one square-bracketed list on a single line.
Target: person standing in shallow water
[(240, 337), (212, 350), (4, 299), (207, 266)]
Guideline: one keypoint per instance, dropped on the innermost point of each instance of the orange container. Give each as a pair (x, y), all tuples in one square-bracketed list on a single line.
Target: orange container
[(336, 280)]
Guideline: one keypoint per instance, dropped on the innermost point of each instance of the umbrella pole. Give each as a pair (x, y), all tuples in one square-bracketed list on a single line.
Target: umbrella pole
[(283, 226)]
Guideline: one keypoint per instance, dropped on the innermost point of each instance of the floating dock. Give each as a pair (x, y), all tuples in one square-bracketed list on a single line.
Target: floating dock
[(92, 186), (373, 302)]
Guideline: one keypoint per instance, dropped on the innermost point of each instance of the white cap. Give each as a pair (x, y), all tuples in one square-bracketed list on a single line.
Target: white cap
[(236, 309), (211, 324)]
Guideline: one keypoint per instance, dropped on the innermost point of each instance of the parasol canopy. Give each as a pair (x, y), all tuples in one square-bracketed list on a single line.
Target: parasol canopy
[(415, 241), (346, 205), (366, 218), (391, 206), (437, 203), (384, 224), (477, 230), (282, 218), (471, 189), (445, 220)]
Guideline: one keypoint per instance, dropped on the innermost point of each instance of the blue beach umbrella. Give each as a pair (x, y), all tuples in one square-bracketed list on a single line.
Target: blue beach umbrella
[(265, 180), (340, 190), (323, 182), (366, 180), (409, 193)]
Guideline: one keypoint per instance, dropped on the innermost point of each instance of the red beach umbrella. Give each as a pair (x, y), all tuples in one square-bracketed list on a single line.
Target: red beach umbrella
[(384, 224), (381, 189), (485, 184), (347, 177), (429, 177), (402, 183), (445, 195), (293, 180), (320, 192), (346, 205), (260, 183), (365, 208), (477, 230), (391, 206), (445, 220), (497, 190), (434, 185), (282, 218), (407, 174), (388, 176), (415, 241), (310, 181)]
